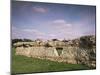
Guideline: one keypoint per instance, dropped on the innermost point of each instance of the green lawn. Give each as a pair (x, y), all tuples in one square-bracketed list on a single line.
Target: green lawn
[(22, 64)]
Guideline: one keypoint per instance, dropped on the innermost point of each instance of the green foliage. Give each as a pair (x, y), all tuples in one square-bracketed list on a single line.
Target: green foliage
[(16, 40), (86, 42), (20, 40), (55, 40)]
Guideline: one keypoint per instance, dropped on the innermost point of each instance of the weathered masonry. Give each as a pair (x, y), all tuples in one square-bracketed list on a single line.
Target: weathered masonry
[(57, 51)]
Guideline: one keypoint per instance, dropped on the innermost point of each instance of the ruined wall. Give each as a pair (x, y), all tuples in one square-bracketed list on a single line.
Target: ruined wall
[(77, 51), (73, 55), (67, 54)]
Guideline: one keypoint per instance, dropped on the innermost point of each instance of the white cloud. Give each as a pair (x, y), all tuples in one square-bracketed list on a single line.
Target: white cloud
[(16, 32), (59, 21), (59, 29), (62, 29), (52, 35), (61, 24), (34, 31), (26, 33), (39, 9)]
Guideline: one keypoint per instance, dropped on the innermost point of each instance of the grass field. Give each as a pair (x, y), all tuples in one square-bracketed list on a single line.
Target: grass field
[(22, 64)]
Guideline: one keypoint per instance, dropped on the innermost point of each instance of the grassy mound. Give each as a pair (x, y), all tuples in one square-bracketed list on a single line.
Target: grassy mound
[(22, 64)]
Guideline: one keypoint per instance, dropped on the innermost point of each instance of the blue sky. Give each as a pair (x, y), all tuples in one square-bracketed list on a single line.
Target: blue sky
[(45, 21)]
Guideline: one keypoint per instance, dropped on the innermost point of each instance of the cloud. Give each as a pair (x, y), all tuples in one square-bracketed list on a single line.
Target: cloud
[(31, 34), (40, 9), (17, 32), (60, 24), (61, 29), (34, 31), (59, 21), (27, 33), (38, 34)]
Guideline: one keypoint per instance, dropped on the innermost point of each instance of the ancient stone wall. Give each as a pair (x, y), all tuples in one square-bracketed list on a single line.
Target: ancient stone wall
[(76, 51), (68, 54)]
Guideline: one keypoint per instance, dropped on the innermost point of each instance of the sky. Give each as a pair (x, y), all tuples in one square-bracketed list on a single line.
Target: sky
[(34, 20)]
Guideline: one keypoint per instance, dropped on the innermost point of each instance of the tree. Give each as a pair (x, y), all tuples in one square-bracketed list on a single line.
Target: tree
[(86, 42), (55, 40), (27, 40), (65, 40)]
